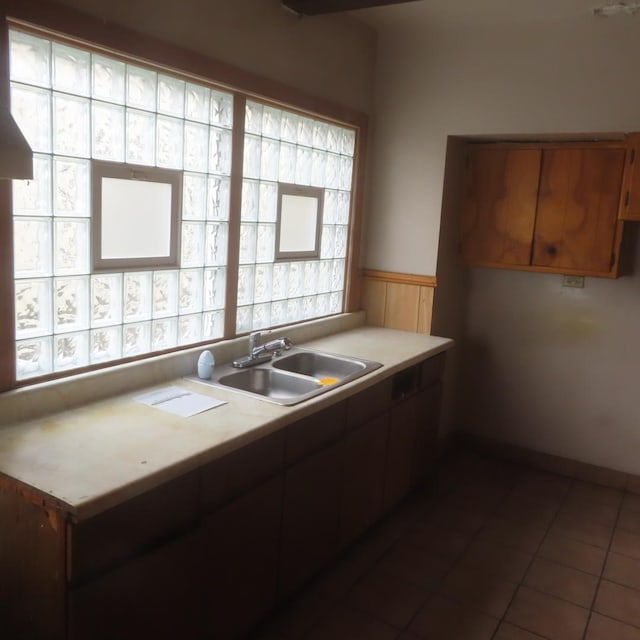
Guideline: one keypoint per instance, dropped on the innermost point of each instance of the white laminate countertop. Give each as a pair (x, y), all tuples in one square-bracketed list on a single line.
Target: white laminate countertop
[(89, 459)]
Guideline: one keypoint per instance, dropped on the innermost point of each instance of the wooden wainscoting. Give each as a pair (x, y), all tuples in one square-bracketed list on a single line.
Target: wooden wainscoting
[(397, 300)]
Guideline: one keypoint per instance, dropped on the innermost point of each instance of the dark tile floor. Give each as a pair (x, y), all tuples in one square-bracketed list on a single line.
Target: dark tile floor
[(492, 552)]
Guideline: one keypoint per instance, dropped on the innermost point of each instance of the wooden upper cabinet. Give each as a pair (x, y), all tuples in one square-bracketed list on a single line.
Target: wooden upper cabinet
[(499, 209), (550, 207), (576, 223), (630, 200)]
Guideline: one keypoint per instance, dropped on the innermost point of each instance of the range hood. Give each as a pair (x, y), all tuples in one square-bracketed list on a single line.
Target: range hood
[(16, 157)]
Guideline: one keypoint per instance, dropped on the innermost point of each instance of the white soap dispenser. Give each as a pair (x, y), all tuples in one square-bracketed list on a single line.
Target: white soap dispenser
[(206, 362)]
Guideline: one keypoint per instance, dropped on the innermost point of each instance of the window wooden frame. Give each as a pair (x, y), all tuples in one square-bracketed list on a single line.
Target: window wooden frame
[(70, 26), (100, 170), (309, 192)]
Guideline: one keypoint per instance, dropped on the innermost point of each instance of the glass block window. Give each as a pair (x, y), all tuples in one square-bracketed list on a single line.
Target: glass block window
[(281, 146), (74, 106)]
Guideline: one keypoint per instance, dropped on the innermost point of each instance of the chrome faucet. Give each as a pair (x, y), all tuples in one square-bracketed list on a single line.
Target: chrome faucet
[(260, 353)]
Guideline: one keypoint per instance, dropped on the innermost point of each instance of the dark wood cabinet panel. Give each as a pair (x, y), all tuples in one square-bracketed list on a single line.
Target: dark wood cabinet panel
[(124, 531), (154, 596), (499, 206), (630, 200), (237, 550), (578, 209), (428, 403), (364, 472), (310, 518), (369, 403), (315, 432)]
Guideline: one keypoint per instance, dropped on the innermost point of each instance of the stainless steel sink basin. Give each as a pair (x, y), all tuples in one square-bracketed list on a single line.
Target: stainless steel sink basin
[(298, 375), (319, 365), (273, 384)]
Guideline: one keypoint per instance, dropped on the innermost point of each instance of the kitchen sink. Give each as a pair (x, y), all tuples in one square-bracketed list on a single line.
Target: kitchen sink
[(297, 375), (273, 384)]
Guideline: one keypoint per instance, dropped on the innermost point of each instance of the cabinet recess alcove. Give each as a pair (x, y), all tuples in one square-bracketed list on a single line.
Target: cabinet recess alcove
[(550, 207)]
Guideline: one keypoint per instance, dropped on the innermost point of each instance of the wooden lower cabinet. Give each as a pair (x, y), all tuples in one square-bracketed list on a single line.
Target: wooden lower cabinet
[(237, 551), (309, 534), (364, 464), (207, 555)]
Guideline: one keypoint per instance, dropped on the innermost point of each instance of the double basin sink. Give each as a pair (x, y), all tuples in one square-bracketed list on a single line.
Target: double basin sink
[(295, 376)]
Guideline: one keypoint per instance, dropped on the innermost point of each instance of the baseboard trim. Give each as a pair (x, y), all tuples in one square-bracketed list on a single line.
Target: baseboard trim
[(546, 462)]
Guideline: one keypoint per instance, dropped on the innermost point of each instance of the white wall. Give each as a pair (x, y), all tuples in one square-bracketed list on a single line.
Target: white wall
[(328, 56), (550, 368)]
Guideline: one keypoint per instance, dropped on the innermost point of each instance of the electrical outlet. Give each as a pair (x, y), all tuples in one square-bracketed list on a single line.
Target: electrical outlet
[(577, 282)]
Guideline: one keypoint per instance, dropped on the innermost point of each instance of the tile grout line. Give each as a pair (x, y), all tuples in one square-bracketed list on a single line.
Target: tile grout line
[(604, 566), (534, 557)]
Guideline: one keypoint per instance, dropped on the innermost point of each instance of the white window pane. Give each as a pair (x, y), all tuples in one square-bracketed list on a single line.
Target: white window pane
[(165, 294), (71, 304), (71, 69), (33, 357), (261, 316), (70, 351), (191, 290), (106, 344), (289, 127), (108, 132), (323, 304), (263, 289), (33, 302), (271, 122), (335, 302), (141, 137), (333, 171), (194, 196), (250, 200), (334, 139), (305, 131), (141, 207), (341, 241), (268, 202), (33, 197), (214, 289), (108, 79), (287, 163), (337, 275), (253, 117), (280, 280), (221, 109), (278, 313), (247, 243), (244, 318), (245, 284), (303, 165), (31, 109), (320, 135), (348, 142), (106, 300), (343, 207), (141, 88), (193, 241), (219, 151), (346, 170), (197, 102), (189, 329), (251, 157), (294, 310), (71, 187), (171, 96), (308, 307), (318, 168), (32, 247), (216, 238), (164, 334), (137, 296), (327, 243), (71, 126), (269, 159), (196, 147), (311, 275), (136, 339), (218, 198), (266, 243), (30, 59), (325, 272), (212, 325), (296, 275), (169, 142)]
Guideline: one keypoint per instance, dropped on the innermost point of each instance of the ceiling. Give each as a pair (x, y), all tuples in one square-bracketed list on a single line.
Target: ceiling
[(460, 13)]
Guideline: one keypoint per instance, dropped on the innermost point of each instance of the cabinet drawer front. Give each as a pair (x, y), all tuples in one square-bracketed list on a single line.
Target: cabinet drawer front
[(241, 470), (369, 403), (315, 432), (113, 536)]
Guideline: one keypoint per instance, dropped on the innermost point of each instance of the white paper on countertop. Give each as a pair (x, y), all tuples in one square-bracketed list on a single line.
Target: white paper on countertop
[(178, 401)]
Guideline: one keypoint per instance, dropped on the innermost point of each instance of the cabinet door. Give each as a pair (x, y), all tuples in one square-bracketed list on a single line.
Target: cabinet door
[(499, 206), (153, 596), (428, 418), (403, 435), (630, 201), (237, 555), (364, 471), (310, 517), (578, 208)]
